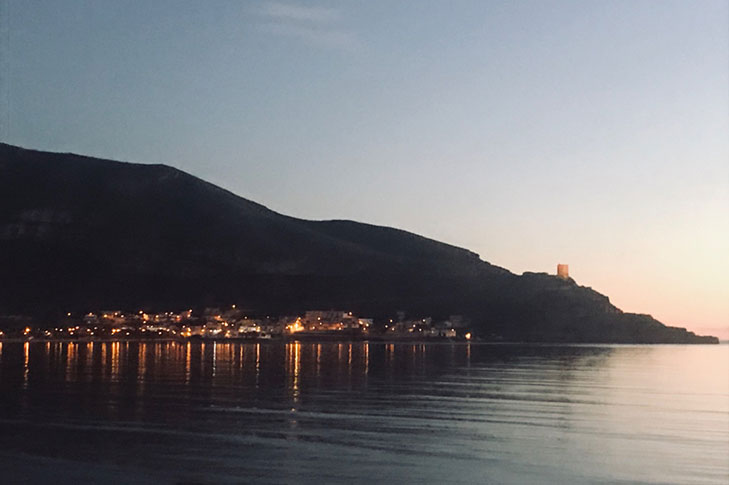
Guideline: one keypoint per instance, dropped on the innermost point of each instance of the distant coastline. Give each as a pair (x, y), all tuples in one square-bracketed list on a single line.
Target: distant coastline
[(376, 340), (124, 235)]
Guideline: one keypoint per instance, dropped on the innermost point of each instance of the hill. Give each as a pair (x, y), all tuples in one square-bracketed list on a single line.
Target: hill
[(79, 233)]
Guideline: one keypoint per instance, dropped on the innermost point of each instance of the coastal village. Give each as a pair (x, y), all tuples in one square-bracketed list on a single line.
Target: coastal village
[(234, 323)]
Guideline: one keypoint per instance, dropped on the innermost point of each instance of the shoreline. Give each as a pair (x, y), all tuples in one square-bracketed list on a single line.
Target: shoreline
[(346, 340)]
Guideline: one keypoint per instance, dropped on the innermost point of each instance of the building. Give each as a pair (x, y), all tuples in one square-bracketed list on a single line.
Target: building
[(457, 321), (442, 331), (563, 271)]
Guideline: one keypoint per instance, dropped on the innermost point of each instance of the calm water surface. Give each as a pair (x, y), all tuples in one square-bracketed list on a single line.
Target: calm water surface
[(133, 412)]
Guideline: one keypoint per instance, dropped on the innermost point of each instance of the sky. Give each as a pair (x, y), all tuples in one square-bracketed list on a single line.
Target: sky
[(534, 133)]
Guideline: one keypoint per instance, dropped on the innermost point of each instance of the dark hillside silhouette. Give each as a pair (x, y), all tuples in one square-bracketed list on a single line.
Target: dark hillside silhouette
[(79, 233)]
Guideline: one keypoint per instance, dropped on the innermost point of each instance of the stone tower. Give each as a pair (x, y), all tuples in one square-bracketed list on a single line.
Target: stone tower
[(563, 271)]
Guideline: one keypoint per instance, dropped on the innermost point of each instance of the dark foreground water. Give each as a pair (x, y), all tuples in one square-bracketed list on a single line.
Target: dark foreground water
[(131, 412)]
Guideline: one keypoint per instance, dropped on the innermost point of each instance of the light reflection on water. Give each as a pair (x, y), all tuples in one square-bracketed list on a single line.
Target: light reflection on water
[(215, 412)]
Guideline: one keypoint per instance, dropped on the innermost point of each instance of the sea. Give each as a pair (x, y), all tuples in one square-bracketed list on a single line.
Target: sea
[(362, 412)]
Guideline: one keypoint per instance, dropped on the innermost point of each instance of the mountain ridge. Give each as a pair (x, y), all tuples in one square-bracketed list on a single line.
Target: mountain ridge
[(85, 232)]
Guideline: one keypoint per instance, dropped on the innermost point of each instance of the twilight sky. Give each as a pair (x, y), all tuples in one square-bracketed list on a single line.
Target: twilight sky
[(589, 133)]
